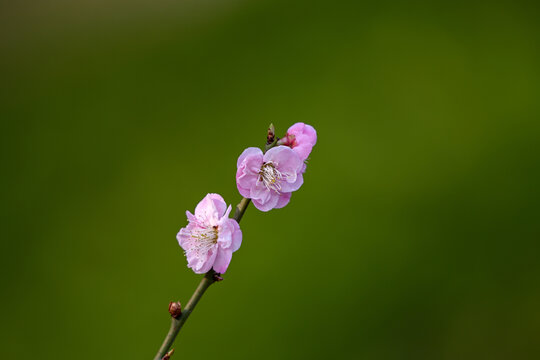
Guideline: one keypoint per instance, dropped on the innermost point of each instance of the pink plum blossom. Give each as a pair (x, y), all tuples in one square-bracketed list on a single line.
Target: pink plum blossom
[(301, 138), (211, 237), (269, 179)]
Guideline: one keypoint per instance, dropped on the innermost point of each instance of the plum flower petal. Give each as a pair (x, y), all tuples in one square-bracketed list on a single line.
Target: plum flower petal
[(301, 138), (283, 200), (222, 261), (210, 237), (249, 163), (269, 179)]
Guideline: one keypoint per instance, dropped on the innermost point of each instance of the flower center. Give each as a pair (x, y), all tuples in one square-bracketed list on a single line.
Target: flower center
[(204, 239), (270, 176)]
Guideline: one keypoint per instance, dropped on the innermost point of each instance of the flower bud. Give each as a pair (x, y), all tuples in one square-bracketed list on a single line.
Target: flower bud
[(271, 135), (175, 309)]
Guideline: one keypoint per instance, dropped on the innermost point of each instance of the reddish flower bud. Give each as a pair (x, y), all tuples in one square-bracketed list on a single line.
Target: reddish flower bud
[(175, 309), (217, 277)]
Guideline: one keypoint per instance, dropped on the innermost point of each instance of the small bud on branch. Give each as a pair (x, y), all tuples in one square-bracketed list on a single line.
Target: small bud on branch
[(175, 309), (270, 138)]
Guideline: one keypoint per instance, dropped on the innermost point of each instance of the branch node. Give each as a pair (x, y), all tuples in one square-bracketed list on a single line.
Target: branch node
[(168, 355)]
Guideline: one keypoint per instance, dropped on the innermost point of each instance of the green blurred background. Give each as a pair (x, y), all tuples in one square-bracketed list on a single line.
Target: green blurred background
[(415, 235)]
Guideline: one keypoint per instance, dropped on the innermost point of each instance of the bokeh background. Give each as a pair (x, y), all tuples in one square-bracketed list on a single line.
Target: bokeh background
[(415, 235)]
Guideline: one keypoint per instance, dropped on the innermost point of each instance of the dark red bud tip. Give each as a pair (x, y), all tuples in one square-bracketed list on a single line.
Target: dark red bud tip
[(168, 355), (217, 277), (175, 309), (271, 136)]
